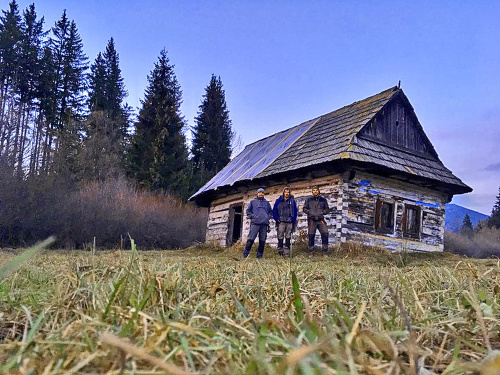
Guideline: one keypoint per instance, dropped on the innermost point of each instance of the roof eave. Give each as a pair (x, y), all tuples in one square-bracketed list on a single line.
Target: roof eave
[(339, 165)]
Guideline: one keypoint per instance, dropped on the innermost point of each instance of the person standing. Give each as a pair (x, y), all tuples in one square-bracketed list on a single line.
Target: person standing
[(285, 215), (259, 212), (316, 207)]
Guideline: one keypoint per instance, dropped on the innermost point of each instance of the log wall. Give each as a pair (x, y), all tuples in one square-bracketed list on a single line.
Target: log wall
[(361, 195), (353, 208), (218, 220)]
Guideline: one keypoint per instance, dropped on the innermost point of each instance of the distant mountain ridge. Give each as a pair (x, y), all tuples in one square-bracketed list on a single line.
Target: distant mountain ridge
[(454, 217)]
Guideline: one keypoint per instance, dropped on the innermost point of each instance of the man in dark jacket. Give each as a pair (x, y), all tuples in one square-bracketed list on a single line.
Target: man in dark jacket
[(285, 215), (259, 212), (316, 207)]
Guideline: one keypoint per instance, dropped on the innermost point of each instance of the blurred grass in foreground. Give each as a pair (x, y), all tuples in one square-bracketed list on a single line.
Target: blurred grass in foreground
[(206, 310)]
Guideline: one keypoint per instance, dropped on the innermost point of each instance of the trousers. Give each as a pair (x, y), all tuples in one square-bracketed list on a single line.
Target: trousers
[(323, 231), (256, 229)]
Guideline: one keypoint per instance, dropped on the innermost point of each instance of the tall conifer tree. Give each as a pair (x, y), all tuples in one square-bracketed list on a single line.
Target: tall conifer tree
[(70, 64), (10, 38), (28, 77), (106, 126), (494, 220), (159, 156), (115, 86), (467, 228), (97, 85), (212, 134), (496, 206), (107, 88), (10, 41), (30, 52), (47, 113)]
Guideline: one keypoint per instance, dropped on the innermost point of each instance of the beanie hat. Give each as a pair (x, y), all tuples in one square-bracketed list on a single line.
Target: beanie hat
[(261, 190)]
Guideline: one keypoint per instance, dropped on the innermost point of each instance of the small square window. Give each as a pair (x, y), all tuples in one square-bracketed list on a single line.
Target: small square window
[(411, 221), (384, 217)]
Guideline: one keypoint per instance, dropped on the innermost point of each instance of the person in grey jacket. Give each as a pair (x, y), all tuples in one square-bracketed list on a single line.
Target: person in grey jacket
[(316, 207), (259, 212)]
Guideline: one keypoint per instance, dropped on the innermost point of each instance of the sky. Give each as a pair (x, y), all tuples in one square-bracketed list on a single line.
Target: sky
[(285, 62)]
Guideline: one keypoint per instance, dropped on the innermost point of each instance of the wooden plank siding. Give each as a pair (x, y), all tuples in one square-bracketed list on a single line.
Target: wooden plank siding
[(353, 209), (396, 124)]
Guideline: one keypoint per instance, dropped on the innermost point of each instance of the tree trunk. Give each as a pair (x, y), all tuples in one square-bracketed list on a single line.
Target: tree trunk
[(13, 156), (8, 137), (24, 138), (37, 143)]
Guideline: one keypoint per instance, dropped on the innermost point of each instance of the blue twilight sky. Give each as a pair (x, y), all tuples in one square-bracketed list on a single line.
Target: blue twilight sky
[(284, 62)]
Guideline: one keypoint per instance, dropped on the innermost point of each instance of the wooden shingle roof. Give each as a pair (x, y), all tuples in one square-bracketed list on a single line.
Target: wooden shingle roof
[(330, 137), (335, 136)]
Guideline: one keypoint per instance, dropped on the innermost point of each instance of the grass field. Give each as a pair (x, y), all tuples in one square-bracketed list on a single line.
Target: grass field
[(206, 310)]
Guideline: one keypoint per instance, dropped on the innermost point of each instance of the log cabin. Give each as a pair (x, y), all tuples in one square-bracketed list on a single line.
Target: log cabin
[(379, 172)]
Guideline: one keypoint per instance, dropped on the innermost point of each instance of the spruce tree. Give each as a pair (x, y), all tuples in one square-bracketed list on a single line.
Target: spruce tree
[(115, 86), (212, 134), (101, 155), (30, 52), (467, 228), (10, 39), (496, 206), (28, 77), (97, 85), (494, 220), (467, 223), (106, 126), (70, 65), (158, 155), (98, 157), (106, 85), (47, 100)]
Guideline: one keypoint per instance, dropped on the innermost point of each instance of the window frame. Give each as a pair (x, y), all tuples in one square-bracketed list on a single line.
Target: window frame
[(416, 233), (388, 229)]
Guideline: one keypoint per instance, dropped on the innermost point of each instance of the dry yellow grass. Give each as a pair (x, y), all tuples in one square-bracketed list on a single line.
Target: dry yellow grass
[(206, 310)]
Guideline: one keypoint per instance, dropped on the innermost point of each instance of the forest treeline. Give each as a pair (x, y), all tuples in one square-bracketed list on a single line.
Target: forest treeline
[(480, 241), (65, 126)]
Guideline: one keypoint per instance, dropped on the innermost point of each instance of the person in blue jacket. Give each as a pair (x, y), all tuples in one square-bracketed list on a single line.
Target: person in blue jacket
[(259, 212), (285, 215)]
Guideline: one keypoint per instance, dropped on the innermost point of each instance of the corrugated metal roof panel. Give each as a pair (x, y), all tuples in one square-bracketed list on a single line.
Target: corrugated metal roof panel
[(256, 157)]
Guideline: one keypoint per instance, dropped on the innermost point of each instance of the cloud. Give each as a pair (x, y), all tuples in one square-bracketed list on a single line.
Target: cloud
[(493, 167)]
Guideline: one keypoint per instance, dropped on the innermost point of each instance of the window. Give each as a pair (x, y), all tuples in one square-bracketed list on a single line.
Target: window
[(411, 221), (384, 217)]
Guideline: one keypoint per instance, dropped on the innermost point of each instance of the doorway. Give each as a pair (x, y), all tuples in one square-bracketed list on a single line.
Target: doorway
[(235, 224)]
